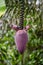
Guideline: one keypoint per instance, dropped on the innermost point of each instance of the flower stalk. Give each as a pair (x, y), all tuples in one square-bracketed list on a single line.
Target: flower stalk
[(21, 14)]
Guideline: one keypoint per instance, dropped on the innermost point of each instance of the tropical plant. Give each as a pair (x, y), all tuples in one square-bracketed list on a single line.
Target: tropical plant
[(32, 15)]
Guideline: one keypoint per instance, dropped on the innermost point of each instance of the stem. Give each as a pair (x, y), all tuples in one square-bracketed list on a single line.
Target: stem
[(21, 14), (22, 63)]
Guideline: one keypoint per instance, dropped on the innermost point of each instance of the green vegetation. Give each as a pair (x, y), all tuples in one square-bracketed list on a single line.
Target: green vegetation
[(2, 7), (33, 54), (2, 10)]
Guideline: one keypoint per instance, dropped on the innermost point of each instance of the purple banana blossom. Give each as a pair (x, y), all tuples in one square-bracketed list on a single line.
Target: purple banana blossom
[(21, 38)]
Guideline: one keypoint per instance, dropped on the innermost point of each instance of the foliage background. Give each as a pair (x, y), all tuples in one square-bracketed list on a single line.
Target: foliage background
[(33, 55)]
